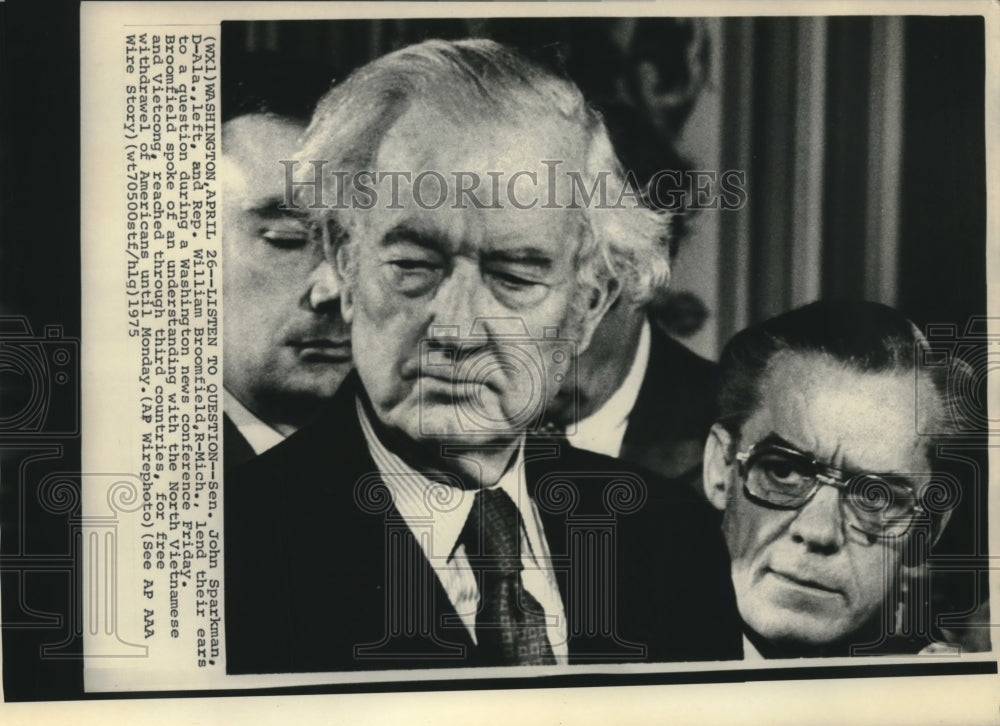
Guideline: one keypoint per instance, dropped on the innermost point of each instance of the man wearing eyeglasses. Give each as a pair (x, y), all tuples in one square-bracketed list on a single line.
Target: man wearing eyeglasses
[(821, 465)]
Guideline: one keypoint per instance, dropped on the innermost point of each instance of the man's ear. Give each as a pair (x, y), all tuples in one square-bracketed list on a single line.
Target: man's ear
[(916, 552), (939, 526), (601, 297), (342, 262), (717, 466), (916, 555)]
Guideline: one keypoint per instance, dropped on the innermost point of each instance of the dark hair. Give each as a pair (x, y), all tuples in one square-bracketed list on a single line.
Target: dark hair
[(865, 336), (271, 83)]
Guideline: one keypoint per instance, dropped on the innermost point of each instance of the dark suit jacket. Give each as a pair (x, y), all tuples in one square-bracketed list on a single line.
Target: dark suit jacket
[(235, 448), (676, 407), (322, 574)]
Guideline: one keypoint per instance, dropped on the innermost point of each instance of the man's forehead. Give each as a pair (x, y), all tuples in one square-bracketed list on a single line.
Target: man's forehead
[(852, 419), (257, 142), (554, 233), (425, 138), (483, 183)]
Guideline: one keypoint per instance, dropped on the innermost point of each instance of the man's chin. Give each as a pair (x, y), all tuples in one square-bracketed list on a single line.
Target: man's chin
[(781, 625), (319, 382)]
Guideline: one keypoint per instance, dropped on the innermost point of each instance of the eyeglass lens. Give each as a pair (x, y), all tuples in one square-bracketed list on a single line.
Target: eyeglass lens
[(875, 504)]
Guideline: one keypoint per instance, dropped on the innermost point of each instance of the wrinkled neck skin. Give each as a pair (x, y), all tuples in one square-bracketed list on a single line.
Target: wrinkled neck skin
[(468, 466)]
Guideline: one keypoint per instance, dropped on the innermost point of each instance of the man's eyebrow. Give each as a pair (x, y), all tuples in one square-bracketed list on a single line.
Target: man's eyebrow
[(849, 467), (531, 256), (404, 233), (773, 439), (271, 208)]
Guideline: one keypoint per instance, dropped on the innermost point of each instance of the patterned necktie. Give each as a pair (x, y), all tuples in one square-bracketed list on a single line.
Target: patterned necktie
[(510, 624)]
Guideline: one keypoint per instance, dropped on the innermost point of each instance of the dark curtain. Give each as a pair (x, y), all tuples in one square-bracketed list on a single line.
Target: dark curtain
[(864, 144)]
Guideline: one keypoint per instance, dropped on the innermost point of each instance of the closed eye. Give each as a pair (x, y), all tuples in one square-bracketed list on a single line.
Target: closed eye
[(414, 265), (413, 275), (285, 239), (512, 280)]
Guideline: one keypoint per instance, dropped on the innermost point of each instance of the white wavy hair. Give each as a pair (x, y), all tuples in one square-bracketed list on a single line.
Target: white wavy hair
[(478, 80)]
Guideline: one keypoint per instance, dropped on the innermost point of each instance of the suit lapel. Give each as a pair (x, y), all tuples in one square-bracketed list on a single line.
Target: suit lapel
[(347, 552), (236, 449), (407, 598), (544, 457), (667, 426), (644, 419)]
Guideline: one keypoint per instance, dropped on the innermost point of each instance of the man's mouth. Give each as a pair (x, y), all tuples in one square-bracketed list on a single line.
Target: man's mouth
[(442, 384), (323, 350), (804, 582), (464, 384)]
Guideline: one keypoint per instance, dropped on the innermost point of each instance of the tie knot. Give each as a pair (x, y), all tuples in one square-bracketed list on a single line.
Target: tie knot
[(493, 531)]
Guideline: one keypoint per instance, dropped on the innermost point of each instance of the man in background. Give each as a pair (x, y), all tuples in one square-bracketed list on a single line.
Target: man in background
[(286, 348), (641, 395)]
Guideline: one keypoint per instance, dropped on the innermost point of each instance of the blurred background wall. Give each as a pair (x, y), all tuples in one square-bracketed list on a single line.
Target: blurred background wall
[(861, 140)]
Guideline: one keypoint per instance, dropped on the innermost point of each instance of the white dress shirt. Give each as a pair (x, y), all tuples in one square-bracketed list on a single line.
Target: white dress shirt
[(258, 434), (750, 652), (436, 513), (604, 430)]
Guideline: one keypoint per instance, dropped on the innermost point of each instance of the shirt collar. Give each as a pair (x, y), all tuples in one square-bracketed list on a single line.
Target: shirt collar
[(258, 434), (750, 651), (604, 429), (435, 507)]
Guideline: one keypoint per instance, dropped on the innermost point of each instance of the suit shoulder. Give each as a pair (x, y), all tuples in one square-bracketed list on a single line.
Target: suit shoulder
[(592, 471), (669, 352), (573, 459), (677, 399), (334, 436)]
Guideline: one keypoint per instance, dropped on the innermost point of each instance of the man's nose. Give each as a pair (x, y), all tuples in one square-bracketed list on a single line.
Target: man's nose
[(461, 299), (324, 289), (820, 523)]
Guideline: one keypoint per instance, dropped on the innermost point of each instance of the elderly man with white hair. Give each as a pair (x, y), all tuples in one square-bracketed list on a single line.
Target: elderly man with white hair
[(423, 522)]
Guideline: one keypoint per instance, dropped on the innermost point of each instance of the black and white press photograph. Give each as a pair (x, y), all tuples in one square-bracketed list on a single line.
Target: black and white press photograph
[(536, 362), (565, 341)]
